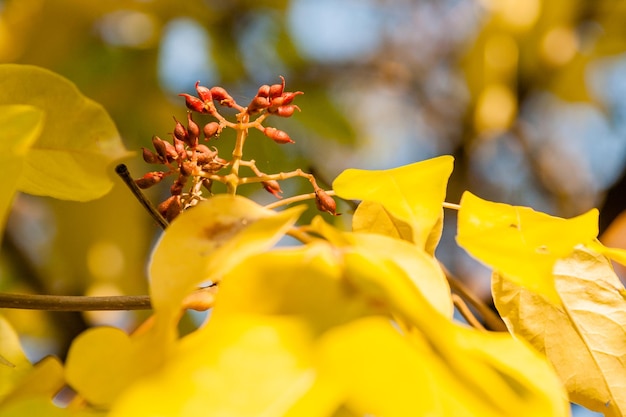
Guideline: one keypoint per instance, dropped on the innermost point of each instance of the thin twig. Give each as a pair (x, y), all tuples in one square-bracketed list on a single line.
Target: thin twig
[(294, 199), (74, 302), (200, 300), (465, 311), (492, 320), (451, 206), (122, 171)]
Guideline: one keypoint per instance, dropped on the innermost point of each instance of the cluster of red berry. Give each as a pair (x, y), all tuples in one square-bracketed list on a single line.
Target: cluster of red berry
[(197, 166)]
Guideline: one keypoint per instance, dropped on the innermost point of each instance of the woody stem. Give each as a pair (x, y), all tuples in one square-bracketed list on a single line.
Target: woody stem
[(242, 134)]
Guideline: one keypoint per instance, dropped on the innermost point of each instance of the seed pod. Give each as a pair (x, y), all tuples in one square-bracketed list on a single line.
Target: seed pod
[(277, 136), (258, 104), (211, 129), (187, 168), (285, 99), (193, 131), (149, 179), (214, 165), (165, 149), (273, 187), (284, 111), (179, 131), (324, 202), (194, 103), (276, 90), (178, 185), (204, 155), (170, 208), (222, 96), (204, 93), (179, 145), (150, 157), (264, 91)]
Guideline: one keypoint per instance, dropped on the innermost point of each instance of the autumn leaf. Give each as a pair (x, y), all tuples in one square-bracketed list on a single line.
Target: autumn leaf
[(411, 194), (20, 126), (371, 217), (291, 335), (583, 336), (420, 271), (520, 242), (201, 244), (19, 379), (76, 142), (258, 343), (384, 373)]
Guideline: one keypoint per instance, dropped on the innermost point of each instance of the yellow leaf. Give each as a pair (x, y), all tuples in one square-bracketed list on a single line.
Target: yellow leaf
[(19, 380), (100, 364), (78, 140), (520, 242), (616, 254), (42, 407), (485, 361), (203, 243), (419, 271), (44, 380), (412, 194), (383, 373), (236, 366), (20, 125), (583, 336), (371, 217), (306, 281)]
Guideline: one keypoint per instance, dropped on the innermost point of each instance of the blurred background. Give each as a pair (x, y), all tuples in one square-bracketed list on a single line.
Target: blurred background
[(529, 96)]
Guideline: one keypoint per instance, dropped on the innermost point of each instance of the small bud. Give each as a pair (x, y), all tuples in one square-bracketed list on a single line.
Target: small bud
[(285, 99), (222, 96), (165, 149), (324, 202), (204, 93), (258, 104), (273, 187), (150, 157), (277, 136), (149, 179), (211, 129), (193, 131), (204, 155), (284, 111), (179, 131), (194, 103), (215, 165), (177, 186), (276, 90), (171, 207), (179, 145), (187, 168), (264, 91)]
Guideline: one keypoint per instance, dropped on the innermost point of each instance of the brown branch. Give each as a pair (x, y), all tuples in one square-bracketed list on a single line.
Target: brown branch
[(122, 171), (465, 311), (200, 300), (490, 318), (74, 303)]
